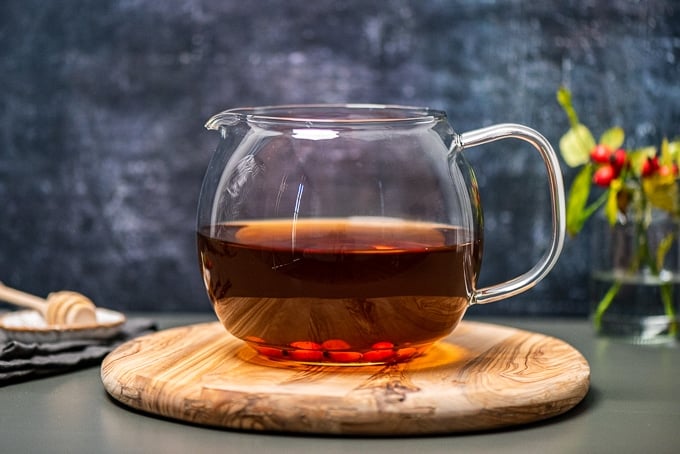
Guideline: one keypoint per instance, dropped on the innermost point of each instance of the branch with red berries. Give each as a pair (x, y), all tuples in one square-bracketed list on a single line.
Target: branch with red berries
[(634, 182), (645, 177)]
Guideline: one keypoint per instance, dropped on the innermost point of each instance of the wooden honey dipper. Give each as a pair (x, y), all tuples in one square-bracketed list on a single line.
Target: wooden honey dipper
[(65, 308)]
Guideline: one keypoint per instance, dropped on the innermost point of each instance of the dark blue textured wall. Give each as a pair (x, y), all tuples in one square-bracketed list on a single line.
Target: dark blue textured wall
[(102, 105)]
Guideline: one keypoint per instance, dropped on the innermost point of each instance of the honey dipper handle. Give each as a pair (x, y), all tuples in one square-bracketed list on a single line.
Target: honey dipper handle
[(23, 299)]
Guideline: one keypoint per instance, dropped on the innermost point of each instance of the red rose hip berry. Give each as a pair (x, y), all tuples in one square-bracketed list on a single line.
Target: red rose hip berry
[(269, 351), (667, 170), (383, 345), (650, 166), (600, 154), (345, 357), (306, 355), (406, 352), (375, 356), (604, 176), (618, 159), (305, 345), (335, 344)]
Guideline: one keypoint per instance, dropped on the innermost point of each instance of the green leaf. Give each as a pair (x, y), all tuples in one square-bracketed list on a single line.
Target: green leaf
[(564, 98), (576, 144), (613, 138), (577, 200)]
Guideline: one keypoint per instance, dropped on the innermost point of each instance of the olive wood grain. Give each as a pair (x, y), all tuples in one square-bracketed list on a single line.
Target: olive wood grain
[(482, 376)]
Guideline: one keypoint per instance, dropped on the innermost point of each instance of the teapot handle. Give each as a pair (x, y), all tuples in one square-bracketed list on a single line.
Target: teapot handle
[(527, 280)]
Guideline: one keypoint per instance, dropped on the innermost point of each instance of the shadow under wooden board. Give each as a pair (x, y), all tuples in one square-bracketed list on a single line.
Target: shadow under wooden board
[(481, 377)]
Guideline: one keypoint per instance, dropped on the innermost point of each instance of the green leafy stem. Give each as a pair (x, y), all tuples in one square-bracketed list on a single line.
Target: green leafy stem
[(636, 181)]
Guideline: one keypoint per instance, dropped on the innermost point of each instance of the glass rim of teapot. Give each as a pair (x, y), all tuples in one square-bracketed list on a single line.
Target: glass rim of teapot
[(327, 115)]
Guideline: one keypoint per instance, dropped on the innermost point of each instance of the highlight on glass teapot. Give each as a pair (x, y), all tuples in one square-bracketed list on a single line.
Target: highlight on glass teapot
[(350, 234)]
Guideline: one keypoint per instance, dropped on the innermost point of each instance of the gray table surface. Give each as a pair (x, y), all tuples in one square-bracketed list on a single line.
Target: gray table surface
[(633, 406)]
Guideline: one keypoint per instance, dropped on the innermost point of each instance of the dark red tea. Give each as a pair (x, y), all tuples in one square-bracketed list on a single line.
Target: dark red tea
[(352, 290)]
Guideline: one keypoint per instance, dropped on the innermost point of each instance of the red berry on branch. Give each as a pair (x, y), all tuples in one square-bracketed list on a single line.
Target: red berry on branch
[(666, 170), (618, 159), (650, 166), (604, 176), (600, 154)]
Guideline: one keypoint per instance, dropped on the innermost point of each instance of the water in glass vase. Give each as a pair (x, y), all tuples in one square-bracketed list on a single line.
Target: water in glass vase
[(635, 307)]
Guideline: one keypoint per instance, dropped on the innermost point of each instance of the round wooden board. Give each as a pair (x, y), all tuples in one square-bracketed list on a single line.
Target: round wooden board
[(482, 376)]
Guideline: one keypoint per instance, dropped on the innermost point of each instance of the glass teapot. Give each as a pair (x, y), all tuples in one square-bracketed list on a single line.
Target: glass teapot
[(350, 234)]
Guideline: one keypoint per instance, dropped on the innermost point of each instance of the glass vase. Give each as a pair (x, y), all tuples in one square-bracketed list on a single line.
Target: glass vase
[(635, 279)]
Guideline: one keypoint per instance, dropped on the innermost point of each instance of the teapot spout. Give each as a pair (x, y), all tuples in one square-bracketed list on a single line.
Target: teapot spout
[(226, 118)]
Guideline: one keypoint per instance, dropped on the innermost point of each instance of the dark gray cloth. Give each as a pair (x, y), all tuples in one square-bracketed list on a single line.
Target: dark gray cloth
[(20, 361)]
